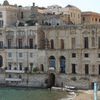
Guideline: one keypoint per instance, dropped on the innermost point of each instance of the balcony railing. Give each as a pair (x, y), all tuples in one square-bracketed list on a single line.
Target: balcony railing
[(16, 47), (51, 69), (13, 79), (14, 71)]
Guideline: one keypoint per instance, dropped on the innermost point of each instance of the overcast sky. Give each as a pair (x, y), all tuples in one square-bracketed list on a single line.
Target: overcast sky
[(84, 5)]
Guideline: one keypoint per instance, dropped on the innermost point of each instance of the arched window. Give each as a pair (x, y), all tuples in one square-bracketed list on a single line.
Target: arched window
[(62, 44), (62, 64), (52, 44), (52, 61), (1, 61)]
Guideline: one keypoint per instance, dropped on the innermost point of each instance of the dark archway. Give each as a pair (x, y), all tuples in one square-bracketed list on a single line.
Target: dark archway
[(62, 64), (1, 61), (52, 61), (51, 80)]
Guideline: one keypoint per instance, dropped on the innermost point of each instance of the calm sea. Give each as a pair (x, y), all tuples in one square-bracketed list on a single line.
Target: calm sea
[(30, 94)]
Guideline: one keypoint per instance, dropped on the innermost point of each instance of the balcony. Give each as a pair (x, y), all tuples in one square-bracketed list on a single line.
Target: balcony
[(13, 79), (14, 71), (51, 69), (17, 47)]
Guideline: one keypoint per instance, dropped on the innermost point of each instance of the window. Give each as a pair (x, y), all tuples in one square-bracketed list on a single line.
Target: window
[(1, 61), (1, 44), (73, 55), (99, 42), (52, 44), (86, 55), (9, 43), (73, 68), (98, 55), (20, 66), (62, 44), (20, 55), (20, 44), (99, 20), (86, 69), (9, 75), (83, 18), (93, 41), (62, 64), (31, 55), (86, 44), (96, 19), (9, 65), (9, 54), (31, 43), (52, 61), (42, 67), (99, 69), (22, 15), (31, 66), (71, 14), (20, 76), (1, 23), (0, 14), (73, 43)]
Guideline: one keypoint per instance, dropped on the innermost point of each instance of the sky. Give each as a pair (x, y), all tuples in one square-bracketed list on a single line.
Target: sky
[(84, 5)]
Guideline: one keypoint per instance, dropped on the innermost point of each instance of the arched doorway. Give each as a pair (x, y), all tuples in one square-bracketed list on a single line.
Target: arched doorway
[(52, 79), (1, 61), (62, 64), (52, 61)]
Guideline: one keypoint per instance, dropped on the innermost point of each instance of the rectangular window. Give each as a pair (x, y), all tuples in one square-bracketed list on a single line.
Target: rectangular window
[(0, 14), (99, 42), (30, 43), (9, 54), (73, 55), (9, 65), (93, 41), (86, 55), (9, 43), (86, 69), (73, 43), (20, 55), (20, 66), (31, 55), (86, 43), (99, 69), (73, 68), (20, 43), (62, 44), (98, 55), (1, 44), (1, 23)]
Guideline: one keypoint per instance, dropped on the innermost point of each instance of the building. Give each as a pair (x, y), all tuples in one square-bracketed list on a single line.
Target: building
[(74, 51), (90, 18), (54, 9), (65, 44), (74, 14), (20, 50)]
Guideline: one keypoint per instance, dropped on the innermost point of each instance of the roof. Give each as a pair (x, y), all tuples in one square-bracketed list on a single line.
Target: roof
[(89, 13), (5, 3), (71, 6)]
